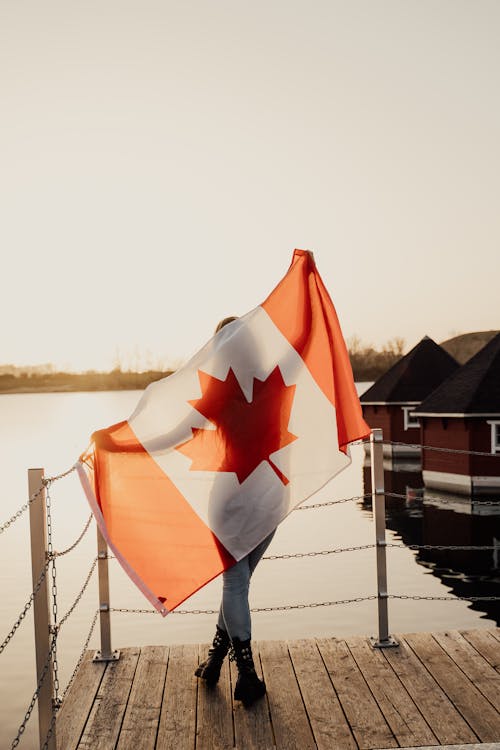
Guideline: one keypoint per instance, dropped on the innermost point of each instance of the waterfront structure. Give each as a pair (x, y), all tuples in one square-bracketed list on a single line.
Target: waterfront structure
[(434, 689), (463, 414), (390, 401)]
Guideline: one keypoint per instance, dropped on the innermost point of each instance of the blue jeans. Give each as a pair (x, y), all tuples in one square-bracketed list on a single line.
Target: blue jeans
[(234, 613)]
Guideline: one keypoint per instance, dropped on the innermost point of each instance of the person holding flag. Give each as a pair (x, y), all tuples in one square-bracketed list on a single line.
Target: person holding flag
[(234, 626), (217, 454)]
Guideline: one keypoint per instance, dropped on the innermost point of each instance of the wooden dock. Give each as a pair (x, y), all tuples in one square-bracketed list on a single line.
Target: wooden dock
[(326, 693)]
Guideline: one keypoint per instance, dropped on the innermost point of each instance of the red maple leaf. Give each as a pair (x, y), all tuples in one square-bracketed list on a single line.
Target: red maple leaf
[(245, 433)]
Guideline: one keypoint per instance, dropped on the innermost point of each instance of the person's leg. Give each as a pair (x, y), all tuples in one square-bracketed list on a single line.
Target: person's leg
[(256, 554), (249, 687), (235, 623), (234, 613), (234, 619), (235, 610)]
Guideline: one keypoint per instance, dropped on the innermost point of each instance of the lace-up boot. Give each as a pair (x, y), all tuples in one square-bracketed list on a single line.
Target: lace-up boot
[(249, 687), (209, 670)]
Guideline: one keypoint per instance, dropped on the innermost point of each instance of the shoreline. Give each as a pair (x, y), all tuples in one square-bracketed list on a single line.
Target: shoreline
[(64, 382), (69, 389)]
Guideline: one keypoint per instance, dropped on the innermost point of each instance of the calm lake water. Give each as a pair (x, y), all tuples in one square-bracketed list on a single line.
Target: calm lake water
[(51, 430)]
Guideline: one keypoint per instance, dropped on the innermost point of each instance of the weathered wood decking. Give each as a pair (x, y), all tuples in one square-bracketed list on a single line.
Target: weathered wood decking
[(332, 694)]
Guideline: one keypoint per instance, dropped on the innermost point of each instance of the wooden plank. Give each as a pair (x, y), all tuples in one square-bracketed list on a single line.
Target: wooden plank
[(252, 727), (215, 711), (177, 727), (480, 673), (328, 723), (363, 714), (140, 724), (443, 718), (103, 726), (78, 702), (495, 632), (399, 710), (408, 696), (288, 715), (486, 644), (476, 710)]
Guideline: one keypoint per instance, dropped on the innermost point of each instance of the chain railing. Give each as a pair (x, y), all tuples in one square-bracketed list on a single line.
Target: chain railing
[(36, 695), (440, 449), (329, 503), (276, 608), (79, 539), (445, 501), (47, 662), (17, 515), (44, 602), (26, 608), (46, 481), (78, 596)]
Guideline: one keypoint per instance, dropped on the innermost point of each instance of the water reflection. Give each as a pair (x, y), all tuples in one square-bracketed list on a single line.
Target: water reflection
[(421, 516)]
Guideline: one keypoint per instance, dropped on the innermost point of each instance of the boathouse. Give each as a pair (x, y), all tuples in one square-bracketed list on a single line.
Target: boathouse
[(390, 401), (463, 413)]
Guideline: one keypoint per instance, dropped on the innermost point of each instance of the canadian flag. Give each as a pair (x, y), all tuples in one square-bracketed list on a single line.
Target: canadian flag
[(217, 454)]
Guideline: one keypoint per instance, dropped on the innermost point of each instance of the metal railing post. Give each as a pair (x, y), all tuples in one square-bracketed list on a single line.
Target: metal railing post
[(378, 502), (105, 653), (41, 612)]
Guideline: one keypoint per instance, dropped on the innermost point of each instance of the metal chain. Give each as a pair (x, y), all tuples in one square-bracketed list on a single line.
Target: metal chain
[(63, 474), (22, 509), (56, 703), (441, 450), (337, 550), (454, 547), (70, 549), (79, 596), (253, 609), (82, 654), (321, 552), (34, 699), (155, 612), (479, 503), (36, 590), (443, 500), (445, 598), (45, 482), (313, 604), (397, 495), (54, 629), (52, 654), (26, 606), (333, 502)]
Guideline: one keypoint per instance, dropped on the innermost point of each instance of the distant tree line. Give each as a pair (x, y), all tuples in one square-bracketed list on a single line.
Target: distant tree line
[(369, 363), (117, 380)]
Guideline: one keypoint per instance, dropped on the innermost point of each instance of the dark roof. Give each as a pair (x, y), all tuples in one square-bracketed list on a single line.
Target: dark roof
[(473, 389), (414, 376)]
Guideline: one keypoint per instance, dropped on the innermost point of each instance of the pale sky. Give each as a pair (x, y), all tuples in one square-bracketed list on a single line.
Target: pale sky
[(160, 160)]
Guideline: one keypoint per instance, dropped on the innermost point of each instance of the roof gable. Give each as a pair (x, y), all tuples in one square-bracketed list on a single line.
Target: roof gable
[(473, 389), (414, 376)]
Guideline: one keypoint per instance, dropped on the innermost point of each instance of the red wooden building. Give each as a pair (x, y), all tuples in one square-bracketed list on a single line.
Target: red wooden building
[(389, 402), (464, 414)]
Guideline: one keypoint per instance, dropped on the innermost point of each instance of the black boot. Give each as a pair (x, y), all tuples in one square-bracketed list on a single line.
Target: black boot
[(210, 669), (249, 687)]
